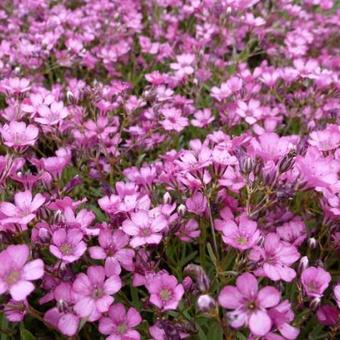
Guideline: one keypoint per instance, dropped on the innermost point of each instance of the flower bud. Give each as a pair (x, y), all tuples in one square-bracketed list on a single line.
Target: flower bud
[(315, 303), (312, 243), (303, 264), (167, 198), (327, 315), (287, 162), (206, 303), (181, 209), (198, 275)]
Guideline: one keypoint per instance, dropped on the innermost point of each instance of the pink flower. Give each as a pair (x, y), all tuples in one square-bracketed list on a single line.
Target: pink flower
[(51, 114), (251, 112), (281, 316), (144, 228), (113, 249), (94, 292), (275, 257), (63, 318), (327, 139), (249, 304), (197, 203), (24, 209), (183, 66), (315, 281), (165, 291), (316, 170), (119, 324), (15, 311), (16, 275), (202, 118), (173, 119), (17, 134), (82, 220), (68, 245), (189, 231), (293, 232), (243, 235)]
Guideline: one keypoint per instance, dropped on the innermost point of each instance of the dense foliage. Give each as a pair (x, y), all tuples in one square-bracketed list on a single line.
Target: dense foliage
[(169, 169)]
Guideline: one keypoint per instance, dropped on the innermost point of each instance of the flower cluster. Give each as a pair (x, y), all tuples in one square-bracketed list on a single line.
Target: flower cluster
[(169, 169)]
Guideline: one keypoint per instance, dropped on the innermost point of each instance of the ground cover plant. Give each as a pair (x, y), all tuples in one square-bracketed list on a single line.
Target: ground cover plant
[(169, 169)]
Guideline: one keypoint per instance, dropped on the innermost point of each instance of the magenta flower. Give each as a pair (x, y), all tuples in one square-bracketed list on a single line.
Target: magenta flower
[(17, 134), (68, 245), (243, 235), (165, 291), (275, 258), (315, 281), (249, 304), (113, 249), (16, 275), (95, 292), (119, 324), (144, 228), (24, 209)]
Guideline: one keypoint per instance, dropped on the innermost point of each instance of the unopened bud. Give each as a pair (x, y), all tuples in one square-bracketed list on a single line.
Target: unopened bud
[(315, 303), (303, 264), (206, 303), (167, 198), (181, 209), (312, 243), (287, 162), (199, 276)]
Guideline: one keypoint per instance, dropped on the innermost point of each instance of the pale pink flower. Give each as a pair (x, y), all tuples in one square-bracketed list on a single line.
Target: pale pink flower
[(52, 114), (251, 111), (315, 281), (165, 292), (275, 258), (67, 245), (17, 134), (173, 119), (23, 211), (242, 234), (144, 228), (15, 85), (113, 249), (183, 66), (249, 304), (16, 273), (202, 118), (327, 139), (120, 324), (94, 292), (316, 170)]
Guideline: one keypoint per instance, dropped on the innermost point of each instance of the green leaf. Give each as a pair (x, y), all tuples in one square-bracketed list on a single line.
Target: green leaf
[(211, 254), (3, 325), (26, 335)]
